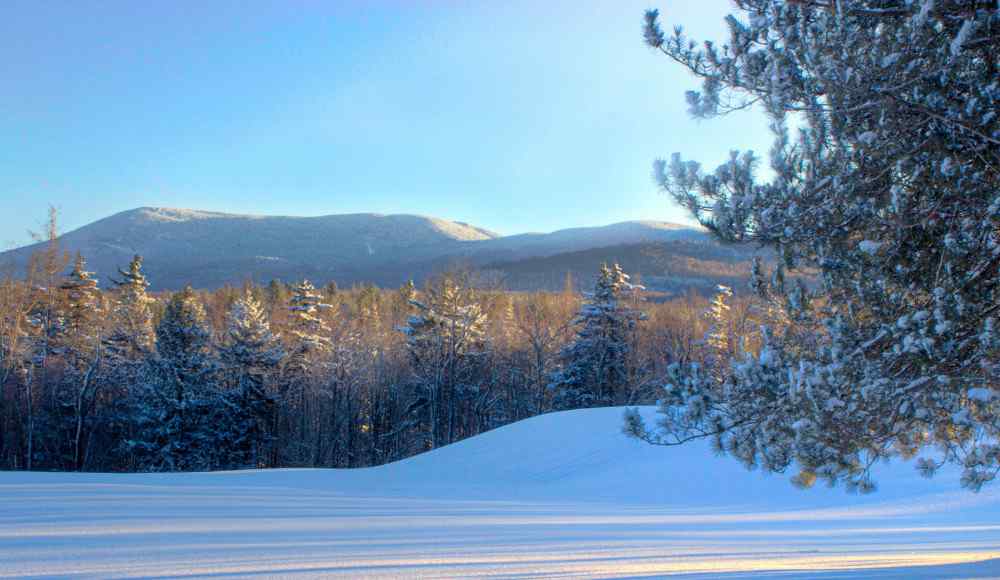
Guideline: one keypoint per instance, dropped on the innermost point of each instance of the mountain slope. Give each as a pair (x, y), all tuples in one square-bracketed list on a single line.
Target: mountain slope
[(561, 495), (671, 267), (208, 249), (579, 239)]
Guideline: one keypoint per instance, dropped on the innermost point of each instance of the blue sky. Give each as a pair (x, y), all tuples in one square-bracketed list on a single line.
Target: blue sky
[(516, 116)]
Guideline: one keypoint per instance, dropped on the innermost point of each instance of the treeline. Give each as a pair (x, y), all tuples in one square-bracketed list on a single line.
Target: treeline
[(281, 375)]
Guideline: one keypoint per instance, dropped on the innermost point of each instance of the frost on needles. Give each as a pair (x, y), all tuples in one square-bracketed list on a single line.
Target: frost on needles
[(885, 181)]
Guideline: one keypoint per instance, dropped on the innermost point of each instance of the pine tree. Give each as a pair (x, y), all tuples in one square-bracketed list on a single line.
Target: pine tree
[(444, 338), (306, 327), (891, 193), (184, 339), (309, 346), (66, 423), (250, 345), (82, 302), (597, 366), (129, 346), (251, 354), (132, 334), (178, 417), (449, 321)]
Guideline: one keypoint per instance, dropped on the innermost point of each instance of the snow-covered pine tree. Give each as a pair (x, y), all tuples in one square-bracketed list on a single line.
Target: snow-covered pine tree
[(132, 334), (890, 190), (250, 356), (82, 301), (450, 318), (309, 333), (178, 415), (597, 367), (250, 346), (307, 336), (443, 338), (67, 422), (129, 347)]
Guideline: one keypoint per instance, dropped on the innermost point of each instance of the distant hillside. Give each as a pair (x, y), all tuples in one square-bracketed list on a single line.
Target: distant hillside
[(576, 239), (671, 267), (207, 249)]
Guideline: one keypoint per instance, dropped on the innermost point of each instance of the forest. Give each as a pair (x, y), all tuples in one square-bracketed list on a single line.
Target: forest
[(113, 377)]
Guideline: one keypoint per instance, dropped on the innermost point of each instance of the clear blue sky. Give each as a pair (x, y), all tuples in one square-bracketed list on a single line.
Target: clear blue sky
[(516, 116)]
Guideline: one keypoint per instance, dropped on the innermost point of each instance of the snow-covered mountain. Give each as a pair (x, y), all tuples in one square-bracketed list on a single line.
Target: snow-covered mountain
[(207, 249)]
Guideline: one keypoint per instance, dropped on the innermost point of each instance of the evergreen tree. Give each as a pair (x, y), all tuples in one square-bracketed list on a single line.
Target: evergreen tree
[(250, 355), (129, 346), (891, 193), (67, 422), (250, 345), (597, 366), (82, 301), (309, 346), (178, 428), (132, 334), (444, 338), (450, 321), (306, 327)]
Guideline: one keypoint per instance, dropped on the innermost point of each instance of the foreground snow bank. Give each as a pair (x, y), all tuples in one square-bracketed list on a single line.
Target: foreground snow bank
[(564, 494)]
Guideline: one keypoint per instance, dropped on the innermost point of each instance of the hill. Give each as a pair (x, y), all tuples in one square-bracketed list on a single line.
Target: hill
[(668, 267), (564, 494)]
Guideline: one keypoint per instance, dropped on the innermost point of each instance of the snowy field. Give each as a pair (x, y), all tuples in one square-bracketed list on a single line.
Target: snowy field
[(562, 496)]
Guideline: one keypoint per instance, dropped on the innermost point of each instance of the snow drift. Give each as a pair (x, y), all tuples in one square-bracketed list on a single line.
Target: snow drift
[(563, 494)]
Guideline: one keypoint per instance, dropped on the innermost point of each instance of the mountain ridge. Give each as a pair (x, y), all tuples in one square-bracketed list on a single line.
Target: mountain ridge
[(210, 249)]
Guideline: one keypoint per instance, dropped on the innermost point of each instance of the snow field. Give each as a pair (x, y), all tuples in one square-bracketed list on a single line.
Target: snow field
[(562, 495)]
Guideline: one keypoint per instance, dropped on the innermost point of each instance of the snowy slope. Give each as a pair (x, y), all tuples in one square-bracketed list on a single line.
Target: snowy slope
[(560, 495)]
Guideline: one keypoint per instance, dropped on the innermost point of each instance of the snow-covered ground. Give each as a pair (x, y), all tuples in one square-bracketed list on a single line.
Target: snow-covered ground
[(563, 495)]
